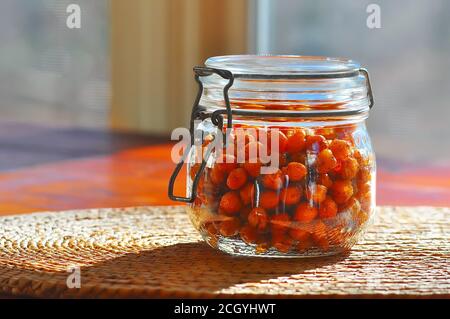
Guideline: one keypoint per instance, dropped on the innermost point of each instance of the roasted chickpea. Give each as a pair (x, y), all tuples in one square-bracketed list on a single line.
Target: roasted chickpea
[(352, 206), (249, 234), (280, 136), (253, 169), (299, 234), (230, 203), (296, 142), (258, 218), (328, 208), (273, 181), (229, 227), (325, 180), (363, 188), (237, 178), (364, 175), (227, 163), (303, 245), (280, 223), (366, 201), (327, 132), (316, 193), (246, 193), (342, 191), (216, 175), (326, 161), (316, 143), (305, 213), (296, 171), (244, 212), (349, 168), (268, 199), (282, 242), (341, 149), (291, 195)]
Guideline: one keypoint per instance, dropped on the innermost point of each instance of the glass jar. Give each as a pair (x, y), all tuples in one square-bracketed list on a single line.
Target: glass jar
[(281, 164)]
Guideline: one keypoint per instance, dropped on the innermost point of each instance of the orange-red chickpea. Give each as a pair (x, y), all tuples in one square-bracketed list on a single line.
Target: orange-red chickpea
[(249, 234), (341, 149), (342, 191), (230, 203), (327, 132), (325, 180), (296, 142), (291, 195), (366, 201), (229, 227), (273, 181), (362, 159), (280, 136), (282, 242), (326, 161), (210, 228), (283, 160), (316, 193), (216, 175), (299, 157), (280, 222), (305, 213), (352, 205), (316, 143), (304, 244), (253, 169), (364, 175), (299, 234), (328, 208), (349, 168), (296, 171), (244, 212), (246, 193), (227, 163), (237, 178), (258, 218), (363, 188), (268, 199)]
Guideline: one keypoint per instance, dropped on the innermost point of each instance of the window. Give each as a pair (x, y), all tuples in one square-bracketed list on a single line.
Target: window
[(408, 60), (51, 74)]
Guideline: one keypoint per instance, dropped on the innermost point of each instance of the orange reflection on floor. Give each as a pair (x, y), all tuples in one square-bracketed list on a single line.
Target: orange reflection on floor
[(139, 177)]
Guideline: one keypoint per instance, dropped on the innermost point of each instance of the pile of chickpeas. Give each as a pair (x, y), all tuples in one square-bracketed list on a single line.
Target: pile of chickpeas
[(319, 196)]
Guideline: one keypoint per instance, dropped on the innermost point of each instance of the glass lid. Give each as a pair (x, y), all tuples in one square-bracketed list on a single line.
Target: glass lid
[(284, 66)]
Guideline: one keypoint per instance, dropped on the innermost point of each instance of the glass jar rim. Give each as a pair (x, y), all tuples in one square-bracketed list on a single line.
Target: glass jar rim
[(284, 66)]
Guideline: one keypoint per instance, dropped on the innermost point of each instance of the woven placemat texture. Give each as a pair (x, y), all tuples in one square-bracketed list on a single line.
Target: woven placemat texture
[(155, 252)]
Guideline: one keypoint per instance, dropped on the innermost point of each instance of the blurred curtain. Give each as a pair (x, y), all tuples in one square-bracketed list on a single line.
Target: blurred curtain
[(155, 44)]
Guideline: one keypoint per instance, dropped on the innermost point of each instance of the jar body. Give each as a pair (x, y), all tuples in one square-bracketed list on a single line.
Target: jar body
[(317, 200)]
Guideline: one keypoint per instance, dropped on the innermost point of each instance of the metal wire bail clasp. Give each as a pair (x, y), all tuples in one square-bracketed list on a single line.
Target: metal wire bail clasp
[(199, 113), (369, 86)]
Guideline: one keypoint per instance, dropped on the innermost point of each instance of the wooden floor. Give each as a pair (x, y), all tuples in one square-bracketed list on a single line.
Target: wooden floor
[(56, 169)]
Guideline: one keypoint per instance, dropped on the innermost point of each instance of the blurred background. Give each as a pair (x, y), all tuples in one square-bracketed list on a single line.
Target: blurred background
[(129, 66)]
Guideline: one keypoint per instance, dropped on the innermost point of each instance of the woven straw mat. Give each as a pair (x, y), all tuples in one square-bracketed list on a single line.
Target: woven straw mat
[(155, 252)]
